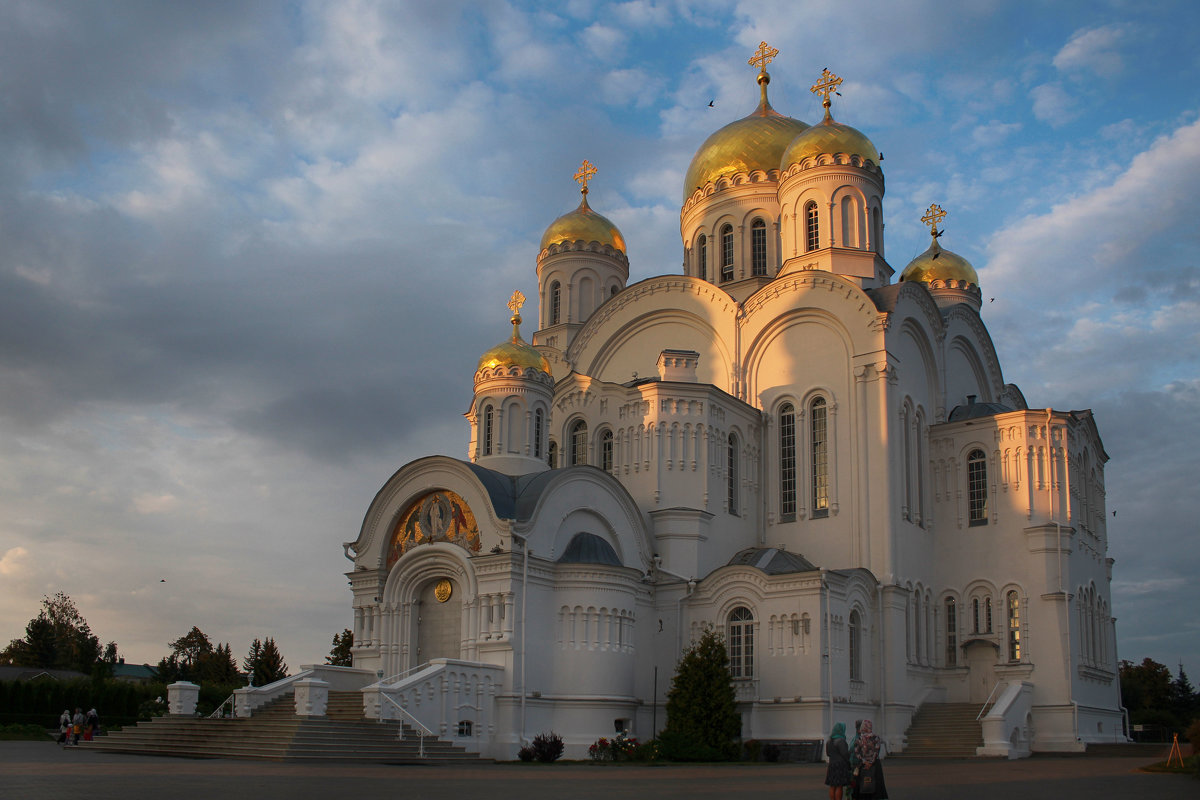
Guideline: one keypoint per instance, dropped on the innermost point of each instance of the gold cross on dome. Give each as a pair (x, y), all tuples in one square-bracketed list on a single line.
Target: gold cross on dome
[(763, 56), (585, 174), (826, 86), (932, 217), (516, 301)]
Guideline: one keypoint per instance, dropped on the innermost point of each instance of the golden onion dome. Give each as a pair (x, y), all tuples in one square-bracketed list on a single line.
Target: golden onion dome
[(583, 225), (515, 352), (936, 264), (829, 137), (752, 143)]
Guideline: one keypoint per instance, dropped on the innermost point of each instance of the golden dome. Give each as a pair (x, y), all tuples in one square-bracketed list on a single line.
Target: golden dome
[(516, 352), (829, 137), (584, 225), (936, 264), (751, 143)]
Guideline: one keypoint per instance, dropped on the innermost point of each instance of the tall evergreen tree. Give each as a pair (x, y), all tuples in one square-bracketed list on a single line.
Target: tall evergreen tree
[(1183, 697), (702, 718), (265, 663), (341, 654), (57, 638)]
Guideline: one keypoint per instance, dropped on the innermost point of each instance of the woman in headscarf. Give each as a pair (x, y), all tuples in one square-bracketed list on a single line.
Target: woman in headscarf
[(870, 771), (837, 774)]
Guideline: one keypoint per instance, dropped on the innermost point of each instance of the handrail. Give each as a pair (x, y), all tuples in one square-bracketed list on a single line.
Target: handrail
[(228, 701), (989, 699), (399, 675), (422, 731)]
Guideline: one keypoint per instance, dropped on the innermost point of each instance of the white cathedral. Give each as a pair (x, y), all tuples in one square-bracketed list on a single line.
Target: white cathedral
[(783, 443)]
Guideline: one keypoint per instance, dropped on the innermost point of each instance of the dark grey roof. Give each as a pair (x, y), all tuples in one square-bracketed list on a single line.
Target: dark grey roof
[(772, 560), (515, 497), (588, 548), (975, 410)]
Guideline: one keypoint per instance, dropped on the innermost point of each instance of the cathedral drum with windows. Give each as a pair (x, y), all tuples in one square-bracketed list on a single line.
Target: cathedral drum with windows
[(782, 443)]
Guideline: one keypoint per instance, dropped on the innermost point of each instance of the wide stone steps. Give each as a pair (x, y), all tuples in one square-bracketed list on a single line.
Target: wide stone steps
[(944, 730), (276, 733)]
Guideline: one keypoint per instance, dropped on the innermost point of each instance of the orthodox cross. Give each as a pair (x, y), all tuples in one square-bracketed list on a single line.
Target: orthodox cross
[(516, 301), (585, 173), (763, 56), (932, 217), (826, 86)]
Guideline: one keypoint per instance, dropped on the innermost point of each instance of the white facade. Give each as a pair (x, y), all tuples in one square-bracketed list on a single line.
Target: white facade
[(824, 465)]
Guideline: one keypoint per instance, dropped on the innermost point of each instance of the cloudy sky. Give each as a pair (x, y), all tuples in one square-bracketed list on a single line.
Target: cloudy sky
[(250, 253)]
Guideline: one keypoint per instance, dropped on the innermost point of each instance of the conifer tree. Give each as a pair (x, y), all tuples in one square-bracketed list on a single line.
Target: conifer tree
[(340, 655), (702, 718)]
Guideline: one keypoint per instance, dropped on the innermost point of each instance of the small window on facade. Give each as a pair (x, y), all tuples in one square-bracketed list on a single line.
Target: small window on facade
[(812, 232), (975, 615), (787, 461), (464, 727), (552, 455), (987, 613), (727, 253), (977, 488), (1014, 627), (951, 632), (538, 419), (555, 303), (855, 646), (702, 258), (579, 443), (820, 456), (758, 247), (731, 469), (606, 451), (741, 643), (487, 430)]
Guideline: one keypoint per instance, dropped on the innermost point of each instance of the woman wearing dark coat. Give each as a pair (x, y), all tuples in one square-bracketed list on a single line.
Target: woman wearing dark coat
[(837, 774), (866, 750)]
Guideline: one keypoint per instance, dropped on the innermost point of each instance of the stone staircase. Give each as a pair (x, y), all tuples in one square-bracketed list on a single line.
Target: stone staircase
[(275, 733), (944, 730)]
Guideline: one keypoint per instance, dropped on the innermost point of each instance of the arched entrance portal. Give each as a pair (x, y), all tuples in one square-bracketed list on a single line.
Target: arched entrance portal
[(439, 620)]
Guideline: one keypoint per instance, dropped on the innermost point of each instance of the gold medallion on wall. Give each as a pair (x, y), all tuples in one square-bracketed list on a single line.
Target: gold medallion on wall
[(443, 590), (439, 516)]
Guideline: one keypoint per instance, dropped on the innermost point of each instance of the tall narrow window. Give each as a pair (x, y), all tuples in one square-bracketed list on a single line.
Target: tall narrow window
[(1014, 626), (977, 512), (727, 253), (702, 258), (918, 618), (578, 443), (555, 303), (606, 451), (812, 232), (758, 247), (488, 417), (741, 643), (987, 613), (538, 419), (787, 461), (731, 474), (877, 231), (552, 455), (951, 632), (819, 429), (974, 615), (855, 646)]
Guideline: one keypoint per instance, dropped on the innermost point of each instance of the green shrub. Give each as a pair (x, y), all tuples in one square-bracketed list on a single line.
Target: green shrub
[(547, 747)]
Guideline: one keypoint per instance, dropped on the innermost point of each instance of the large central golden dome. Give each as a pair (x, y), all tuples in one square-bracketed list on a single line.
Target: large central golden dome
[(752, 143), (936, 264)]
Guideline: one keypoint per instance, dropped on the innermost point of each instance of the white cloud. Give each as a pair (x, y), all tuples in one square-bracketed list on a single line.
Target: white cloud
[(604, 42), (1093, 50), (630, 87), (14, 561), (642, 13), (993, 133), (1053, 105)]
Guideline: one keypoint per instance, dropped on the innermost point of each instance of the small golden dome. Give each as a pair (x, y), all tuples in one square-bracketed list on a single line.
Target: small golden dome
[(829, 137), (936, 264), (584, 225), (516, 352), (752, 143)]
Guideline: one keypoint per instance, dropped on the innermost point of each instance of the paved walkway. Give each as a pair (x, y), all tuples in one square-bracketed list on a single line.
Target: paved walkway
[(45, 771)]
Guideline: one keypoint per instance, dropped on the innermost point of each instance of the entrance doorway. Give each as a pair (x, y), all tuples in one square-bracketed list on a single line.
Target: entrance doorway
[(981, 662), (439, 621)]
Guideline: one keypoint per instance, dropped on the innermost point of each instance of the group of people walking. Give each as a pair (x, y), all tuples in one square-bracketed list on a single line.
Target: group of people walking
[(80, 726), (855, 766)]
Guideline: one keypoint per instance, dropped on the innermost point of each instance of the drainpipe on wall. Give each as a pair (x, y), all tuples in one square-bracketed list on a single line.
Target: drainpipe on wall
[(882, 669), (524, 605), (828, 645)]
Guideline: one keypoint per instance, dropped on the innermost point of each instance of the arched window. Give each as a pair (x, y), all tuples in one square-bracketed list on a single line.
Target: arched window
[(812, 232), (606, 450), (975, 615), (787, 461), (726, 253), (538, 420), (987, 613), (488, 417), (731, 473), (1013, 601), (741, 643), (855, 646), (552, 455), (578, 443), (918, 618), (819, 435), (977, 512), (951, 632), (702, 258), (555, 303), (758, 247), (612, 291), (877, 230)]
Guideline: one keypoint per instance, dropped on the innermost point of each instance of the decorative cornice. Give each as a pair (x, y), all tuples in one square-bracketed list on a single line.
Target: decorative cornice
[(581, 246), (728, 182)]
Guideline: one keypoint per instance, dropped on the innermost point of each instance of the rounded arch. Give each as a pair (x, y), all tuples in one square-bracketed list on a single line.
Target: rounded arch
[(425, 563)]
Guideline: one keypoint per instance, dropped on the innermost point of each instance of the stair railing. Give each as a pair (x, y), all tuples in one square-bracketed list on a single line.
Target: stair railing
[(219, 713), (989, 699), (401, 675), (422, 731)]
